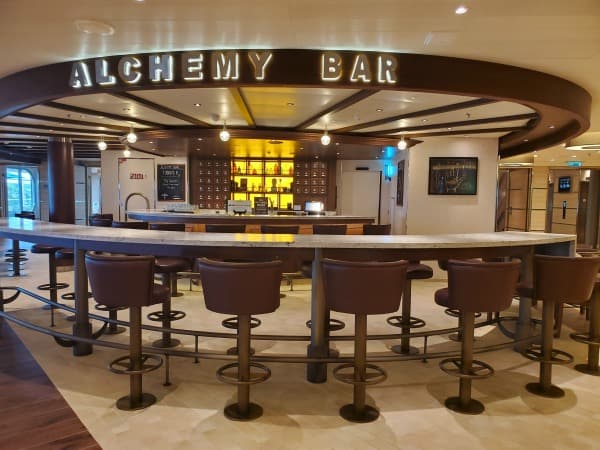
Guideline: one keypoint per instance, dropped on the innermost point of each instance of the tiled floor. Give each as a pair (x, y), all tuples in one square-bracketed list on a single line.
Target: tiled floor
[(298, 414)]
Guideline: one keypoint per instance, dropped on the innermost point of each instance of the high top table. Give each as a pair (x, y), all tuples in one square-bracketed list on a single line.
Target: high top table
[(248, 245)]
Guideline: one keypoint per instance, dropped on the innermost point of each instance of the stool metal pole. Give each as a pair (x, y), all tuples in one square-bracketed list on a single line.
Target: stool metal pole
[(360, 361), (319, 333), (135, 355), (15, 263), (82, 326), (466, 354), (592, 367), (243, 343)]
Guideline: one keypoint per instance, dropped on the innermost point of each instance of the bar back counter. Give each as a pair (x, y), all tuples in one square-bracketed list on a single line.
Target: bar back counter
[(280, 246)]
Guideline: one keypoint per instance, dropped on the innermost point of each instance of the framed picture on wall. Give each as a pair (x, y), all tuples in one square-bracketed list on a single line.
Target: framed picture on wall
[(452, 176), (400, 188)]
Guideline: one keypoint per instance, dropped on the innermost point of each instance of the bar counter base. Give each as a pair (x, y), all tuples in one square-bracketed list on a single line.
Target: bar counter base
[(368, 414), (317, 372), (473, 406)]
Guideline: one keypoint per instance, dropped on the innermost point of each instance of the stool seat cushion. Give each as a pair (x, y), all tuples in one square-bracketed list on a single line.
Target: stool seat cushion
[(43, 248), (168, 264), (418, 271), (441, 297)]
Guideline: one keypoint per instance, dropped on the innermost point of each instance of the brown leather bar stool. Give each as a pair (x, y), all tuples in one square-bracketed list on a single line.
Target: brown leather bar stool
[(102, 216), (557, 280), (362, 288), (377, 229), (131, 225), (592, 337), (291, 267), (100, 222), (474, 286), (53, 286), (168, 267), (326, 228), (243, 289), (225, 228), (135, 277), (415, 271)]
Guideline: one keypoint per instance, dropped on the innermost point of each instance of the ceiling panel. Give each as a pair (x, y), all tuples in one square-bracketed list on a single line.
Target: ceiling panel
[(216, 104), (60, 114), (124, 107), (38, 132), (484, 126), (290, 106), (50, 124), (391, 103)]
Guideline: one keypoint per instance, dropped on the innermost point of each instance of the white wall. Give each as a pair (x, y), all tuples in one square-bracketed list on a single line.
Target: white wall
[(430, 214), (110, 178)]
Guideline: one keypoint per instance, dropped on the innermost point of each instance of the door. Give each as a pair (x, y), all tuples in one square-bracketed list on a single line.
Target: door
[(518, 198), (361, 193), (20, 191), (136, 184)]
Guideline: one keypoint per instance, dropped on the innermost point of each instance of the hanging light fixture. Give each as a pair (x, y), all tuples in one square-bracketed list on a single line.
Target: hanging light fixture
[(131, 137), (101, 144), (325, 139), (402, 144), (126, 152), (224, 134)]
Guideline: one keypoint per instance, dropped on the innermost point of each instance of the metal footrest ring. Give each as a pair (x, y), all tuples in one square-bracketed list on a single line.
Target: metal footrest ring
[(534, 353), (158, 316), (232, 323), (233, 378), (456, 313), (585, 338), (334, 324), (479, 369), (100, 307), (377, 376), (124, 361), (71, 296), (11, 259), (50, 287), (413, 322)]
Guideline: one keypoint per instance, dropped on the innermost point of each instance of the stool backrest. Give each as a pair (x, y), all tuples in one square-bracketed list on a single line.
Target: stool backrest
[(26, 215), (280, 229), (380, 229), (120, 280), (100, 222), (240, 287), (132, 225), (364, 287), (329, 228), (564, 278), (102, 216), (168, 226), (225, 228), (477, 286)]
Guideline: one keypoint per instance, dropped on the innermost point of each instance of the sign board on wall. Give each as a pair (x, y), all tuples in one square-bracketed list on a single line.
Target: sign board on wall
[(171, 182)]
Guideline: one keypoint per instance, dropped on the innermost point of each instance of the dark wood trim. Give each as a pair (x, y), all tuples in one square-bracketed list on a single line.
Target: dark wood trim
[(473, 131), (70, 121), (65, 129), (243, 106), (347, 102), (93, 112), (44, 134), (160, 108), (460, 123), (19, 157), (421, 113)]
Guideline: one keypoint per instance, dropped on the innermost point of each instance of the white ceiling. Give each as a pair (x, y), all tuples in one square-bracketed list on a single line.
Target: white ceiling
[(558, 37)]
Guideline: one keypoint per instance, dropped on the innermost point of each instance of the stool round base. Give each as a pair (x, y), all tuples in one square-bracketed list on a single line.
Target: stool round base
[(551, 392), (473, 407), (118, 330), (234, 351), (124, 403), (334, 324), (398, 349), (232, 412), (584, 368), (70, 318), (160, 343), (369, 414)]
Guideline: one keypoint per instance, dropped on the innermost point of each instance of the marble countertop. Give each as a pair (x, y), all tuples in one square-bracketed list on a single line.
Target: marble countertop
[(31, 230), (162, 215)]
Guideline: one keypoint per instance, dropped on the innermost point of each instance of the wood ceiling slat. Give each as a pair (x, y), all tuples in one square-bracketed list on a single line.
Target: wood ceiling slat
[(347, 102), (466, 132), (65, 129), (243, 106), (423, 112), (71, 121), (79, 110), (160, 108)]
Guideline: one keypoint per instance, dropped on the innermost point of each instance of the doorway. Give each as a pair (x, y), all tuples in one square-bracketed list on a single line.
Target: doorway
[(20, 191)]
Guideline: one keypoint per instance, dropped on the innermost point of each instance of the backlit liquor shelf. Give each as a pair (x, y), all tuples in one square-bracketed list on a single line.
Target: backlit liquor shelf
[(284, 182)]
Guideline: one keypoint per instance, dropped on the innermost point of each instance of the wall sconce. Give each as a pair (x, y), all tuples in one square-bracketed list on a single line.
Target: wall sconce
[(131, 137)]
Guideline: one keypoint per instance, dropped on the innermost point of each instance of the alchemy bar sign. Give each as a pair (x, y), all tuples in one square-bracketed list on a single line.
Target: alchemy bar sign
[(235, 66)]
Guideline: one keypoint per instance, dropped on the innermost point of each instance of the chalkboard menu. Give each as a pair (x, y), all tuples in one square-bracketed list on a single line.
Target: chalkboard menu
[(261, 206), (171, 182)]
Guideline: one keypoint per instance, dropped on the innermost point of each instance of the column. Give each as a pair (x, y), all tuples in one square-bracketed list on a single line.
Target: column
[(61, 183)]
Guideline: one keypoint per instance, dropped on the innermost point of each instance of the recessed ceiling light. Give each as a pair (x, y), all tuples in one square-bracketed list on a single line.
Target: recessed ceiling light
[(535, 156), (460, 10), (214, 154), (150, 142), (449, 128), (424, 120), (197, 105), (573, 156), (379, 109), (199, 139), (551, 126), (290, 104), (337, 143), (95, 27), (525, 140)]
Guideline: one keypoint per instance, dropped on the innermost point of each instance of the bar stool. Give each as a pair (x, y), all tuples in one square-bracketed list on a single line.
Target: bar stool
[(168, 267), (377, 229), (474, 286), (134, 275), (225, 228), (557, 280), (326, 228), (592, 337), (100, 222), (291, 267), (131, 225), (102, 216), (243, 289), (362, 288), (415, 271), (53, 286)]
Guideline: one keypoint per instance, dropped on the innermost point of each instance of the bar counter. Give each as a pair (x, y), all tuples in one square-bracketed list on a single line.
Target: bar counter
[(315, 247), (252, 221)]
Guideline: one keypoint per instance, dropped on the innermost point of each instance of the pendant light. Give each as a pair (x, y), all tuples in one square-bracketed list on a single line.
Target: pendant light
[(325, 139), (224, 134), (402, 144), (131, 137), (102, 144)]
